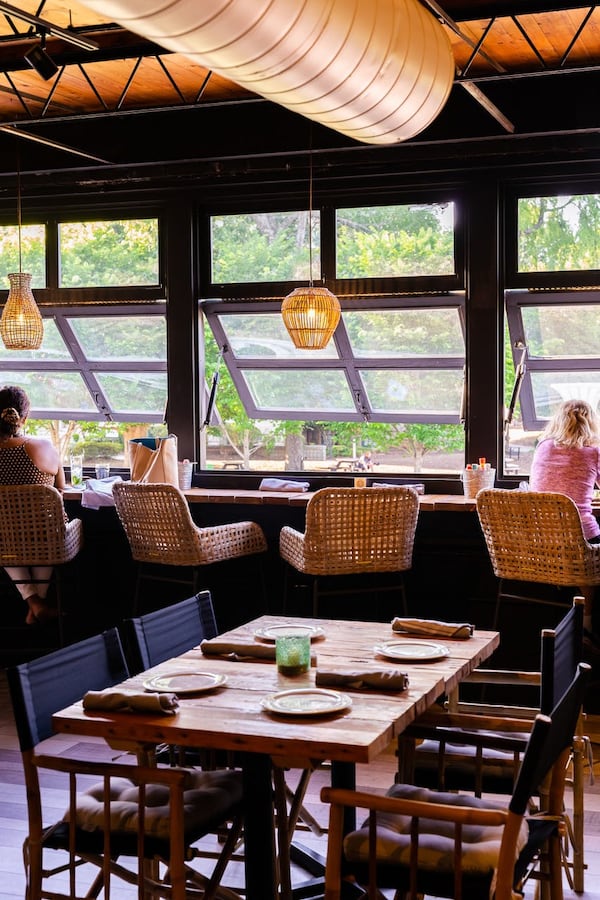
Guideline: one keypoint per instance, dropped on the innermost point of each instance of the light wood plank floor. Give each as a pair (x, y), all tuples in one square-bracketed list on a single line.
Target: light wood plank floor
[(13, 818)]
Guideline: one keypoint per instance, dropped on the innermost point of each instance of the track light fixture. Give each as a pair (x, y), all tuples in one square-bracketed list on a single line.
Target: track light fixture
[(39, 60)]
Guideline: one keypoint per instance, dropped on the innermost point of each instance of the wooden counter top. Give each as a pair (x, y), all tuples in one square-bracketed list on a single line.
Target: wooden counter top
[(427, 502)]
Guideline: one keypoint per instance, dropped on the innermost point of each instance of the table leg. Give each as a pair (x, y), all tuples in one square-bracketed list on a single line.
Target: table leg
[(259, 832)]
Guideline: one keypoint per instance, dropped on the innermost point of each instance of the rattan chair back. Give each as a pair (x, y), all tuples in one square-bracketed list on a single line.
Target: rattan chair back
[(359, 530), (536, 536), (161, 533), (34, 530)]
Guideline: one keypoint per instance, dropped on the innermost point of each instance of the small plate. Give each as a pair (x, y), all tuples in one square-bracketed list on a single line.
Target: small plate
[(306, 702), (272, 632), (416, 651), (185, 682)]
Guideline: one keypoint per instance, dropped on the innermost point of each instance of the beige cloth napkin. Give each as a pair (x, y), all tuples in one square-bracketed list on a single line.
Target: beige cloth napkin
[(131, 701), (432, 628), (243, 650), (357, 679)]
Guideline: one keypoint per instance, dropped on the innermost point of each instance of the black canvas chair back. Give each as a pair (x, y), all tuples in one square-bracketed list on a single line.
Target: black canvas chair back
[(156, 636), (561, 652), (42, 686), (450, 829)]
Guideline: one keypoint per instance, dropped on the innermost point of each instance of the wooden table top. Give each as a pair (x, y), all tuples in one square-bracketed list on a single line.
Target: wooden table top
[(231, 717), (427, 502)]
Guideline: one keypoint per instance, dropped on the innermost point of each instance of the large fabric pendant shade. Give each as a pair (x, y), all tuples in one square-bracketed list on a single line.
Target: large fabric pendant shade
[(379, 71)]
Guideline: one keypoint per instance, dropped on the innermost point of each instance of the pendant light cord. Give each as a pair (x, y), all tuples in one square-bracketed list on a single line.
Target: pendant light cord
[(19, 209)]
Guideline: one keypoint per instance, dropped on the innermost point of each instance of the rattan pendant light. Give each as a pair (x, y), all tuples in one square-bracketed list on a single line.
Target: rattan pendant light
[(21, 324), (310, 314)]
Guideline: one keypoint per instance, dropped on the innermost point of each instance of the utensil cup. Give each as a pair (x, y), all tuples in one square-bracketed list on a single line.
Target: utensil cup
[(292, 652)]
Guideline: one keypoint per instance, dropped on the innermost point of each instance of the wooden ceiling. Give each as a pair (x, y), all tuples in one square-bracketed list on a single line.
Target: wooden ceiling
[(524, 69)]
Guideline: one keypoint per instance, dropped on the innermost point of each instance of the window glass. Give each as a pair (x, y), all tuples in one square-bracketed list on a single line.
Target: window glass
[(33, 253), (53, 391), (136, 394), (556, 331), (405, 332), (559, 233), (272, 246), (300, 390), (416, 391), (390, 381), (96, 254), (265, 337), (121, 337), (387, 241), (53, 347)]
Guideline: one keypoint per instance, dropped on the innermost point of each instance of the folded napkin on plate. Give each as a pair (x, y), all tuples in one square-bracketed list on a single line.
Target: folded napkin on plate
[(98, 492), (432, 627), (243, 650), (280, 484), (131, 701), (379, 680)]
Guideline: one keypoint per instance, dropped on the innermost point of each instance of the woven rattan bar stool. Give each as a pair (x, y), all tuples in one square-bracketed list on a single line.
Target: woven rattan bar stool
[(351, 531), (34, 531), (161, 533), (536, 537)]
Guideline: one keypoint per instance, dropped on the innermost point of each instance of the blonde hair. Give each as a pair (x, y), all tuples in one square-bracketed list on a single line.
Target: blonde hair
[(574, 424)]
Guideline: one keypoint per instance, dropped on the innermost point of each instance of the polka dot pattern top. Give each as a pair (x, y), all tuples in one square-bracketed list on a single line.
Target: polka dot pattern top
[(16, 467)]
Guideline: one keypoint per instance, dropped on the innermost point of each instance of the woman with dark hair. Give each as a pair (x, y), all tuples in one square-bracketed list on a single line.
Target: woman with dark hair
[(27, 460)]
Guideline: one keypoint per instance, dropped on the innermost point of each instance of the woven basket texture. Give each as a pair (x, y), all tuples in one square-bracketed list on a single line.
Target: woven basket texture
[(160, 529), (354, 530), (537, 536), (34, 530)]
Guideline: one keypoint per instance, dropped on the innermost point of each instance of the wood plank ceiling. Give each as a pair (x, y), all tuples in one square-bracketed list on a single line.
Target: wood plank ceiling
[(524, 68)]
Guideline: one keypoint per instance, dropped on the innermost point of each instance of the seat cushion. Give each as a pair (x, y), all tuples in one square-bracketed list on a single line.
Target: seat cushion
[(481, 844), (214, 798)]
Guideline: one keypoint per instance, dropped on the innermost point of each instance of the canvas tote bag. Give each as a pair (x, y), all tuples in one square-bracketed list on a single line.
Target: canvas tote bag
[(154, 460)]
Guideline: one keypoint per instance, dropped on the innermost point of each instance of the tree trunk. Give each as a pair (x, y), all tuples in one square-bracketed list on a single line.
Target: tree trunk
[(294, 460)]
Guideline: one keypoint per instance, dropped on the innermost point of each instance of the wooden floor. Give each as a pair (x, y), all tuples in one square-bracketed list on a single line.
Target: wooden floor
[(13, 820)]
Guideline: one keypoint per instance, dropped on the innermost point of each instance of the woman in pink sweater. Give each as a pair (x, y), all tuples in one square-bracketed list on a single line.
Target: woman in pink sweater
[(567, 461)]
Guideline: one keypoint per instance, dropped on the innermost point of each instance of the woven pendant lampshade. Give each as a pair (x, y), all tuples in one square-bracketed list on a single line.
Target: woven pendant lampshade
[(311, 315), (21, 325)]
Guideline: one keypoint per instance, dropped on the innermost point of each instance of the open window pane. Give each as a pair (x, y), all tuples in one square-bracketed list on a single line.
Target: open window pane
[(550, 389), (122, 337), (554, 331), (96, 254), (138, 394), (405, 332), (386, 241), (53, 392), (267, 247), (416, 391), (300, 390), (265, 337), (53, 347)]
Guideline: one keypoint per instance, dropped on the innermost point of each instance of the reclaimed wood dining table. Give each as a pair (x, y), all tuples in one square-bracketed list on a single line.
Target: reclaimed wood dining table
[(232, 717)]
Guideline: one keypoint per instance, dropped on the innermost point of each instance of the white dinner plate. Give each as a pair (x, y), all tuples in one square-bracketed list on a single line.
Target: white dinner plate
[(306, 702), (412, 650), (272, 632), (185, 682)]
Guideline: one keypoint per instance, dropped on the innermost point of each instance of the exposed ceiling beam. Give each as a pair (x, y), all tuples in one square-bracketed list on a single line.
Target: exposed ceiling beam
[(43, 25)]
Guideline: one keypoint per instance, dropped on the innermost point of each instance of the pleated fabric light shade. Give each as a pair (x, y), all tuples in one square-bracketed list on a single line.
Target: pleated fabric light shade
[(21, 324), (379, 71), (311, 315)]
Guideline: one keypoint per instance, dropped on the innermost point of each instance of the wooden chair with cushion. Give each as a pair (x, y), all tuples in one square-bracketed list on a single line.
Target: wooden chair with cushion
[(162, 534), (353, 531), (477, 745), (156, 815), (536, 537), (34, 531), (418, 841)]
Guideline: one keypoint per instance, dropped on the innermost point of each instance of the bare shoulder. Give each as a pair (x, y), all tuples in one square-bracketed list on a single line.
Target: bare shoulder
[(44, 454)]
